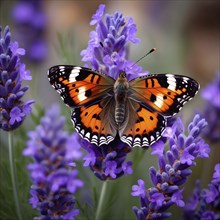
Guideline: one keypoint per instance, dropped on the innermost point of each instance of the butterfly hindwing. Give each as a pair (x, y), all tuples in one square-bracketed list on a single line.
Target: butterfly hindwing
[(143, 126), (78, 86), (96, 123), (165, 93)]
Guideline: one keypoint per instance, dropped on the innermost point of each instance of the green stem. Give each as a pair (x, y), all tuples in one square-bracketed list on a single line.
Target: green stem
[(101, 201), (13, 176)]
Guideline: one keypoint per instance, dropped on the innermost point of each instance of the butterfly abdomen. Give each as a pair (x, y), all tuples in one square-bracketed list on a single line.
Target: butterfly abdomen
[(119, 113), (120, 89)]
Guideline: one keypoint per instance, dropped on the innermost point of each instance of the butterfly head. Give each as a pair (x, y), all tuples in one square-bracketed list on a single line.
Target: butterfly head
[(122, 75)]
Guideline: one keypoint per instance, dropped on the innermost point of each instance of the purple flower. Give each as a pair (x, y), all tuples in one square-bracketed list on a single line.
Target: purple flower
[(108, 161), (158, 148), (107, 47), (73, 151), (208, 215), (89, 159), (174, 168), (16, 115), (126, 167), (25, 73), (30, 22), (211, 193), (34, 198), (204, 204), (13, 110), (186, 157), (216, 175), (157, 198), (98, 15), (16, 50), (177, 198), (54, 181), (139, 190), (71, 214), (194, 200), (211, 94), (111, 169), (213, 88)]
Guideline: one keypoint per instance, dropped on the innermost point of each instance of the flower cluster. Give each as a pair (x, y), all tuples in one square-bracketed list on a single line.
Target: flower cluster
[(108, 161), (174, 168), (30, 22), (54, 177), (107, 50), (211, 93), (12, 72), (205, 204)]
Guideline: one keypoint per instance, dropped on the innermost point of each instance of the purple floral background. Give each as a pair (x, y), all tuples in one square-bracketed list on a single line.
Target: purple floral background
[(59, 175)]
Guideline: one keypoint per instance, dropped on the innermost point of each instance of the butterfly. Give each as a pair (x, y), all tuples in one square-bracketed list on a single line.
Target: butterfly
[(136, 110)]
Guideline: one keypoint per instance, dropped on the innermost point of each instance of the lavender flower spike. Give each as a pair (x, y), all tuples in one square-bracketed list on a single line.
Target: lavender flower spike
[(13, 109), (107, 162), (30, 22), (211, 93), (107, 47), (54, 180), (204, 204), (174, 168)]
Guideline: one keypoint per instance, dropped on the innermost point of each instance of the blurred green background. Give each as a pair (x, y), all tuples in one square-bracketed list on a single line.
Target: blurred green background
[(186, 35)]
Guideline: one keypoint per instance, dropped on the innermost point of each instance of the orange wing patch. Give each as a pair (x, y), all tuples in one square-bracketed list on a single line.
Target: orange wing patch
[(166, 93), (94, 122), (143, 129)]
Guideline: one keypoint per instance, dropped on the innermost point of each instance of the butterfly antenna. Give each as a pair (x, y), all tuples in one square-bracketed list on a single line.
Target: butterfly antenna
[(101, 44), (152, 50)]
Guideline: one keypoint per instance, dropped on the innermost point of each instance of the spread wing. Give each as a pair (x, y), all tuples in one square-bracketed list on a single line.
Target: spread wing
[(143, 126), (90, 94), (165, 93), (79, 86), (96, 122)]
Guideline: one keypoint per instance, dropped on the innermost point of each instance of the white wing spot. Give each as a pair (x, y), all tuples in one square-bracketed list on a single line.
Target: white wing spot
[(159, 100), (61, 67), (87, 135), (81, 94), (171, 81), (74, 73)]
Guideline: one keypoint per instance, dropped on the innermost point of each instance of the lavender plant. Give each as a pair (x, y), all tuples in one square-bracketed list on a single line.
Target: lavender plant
[(107, 52), (205, 204), (174, 168), (211, 93), (13, 110), (30, 22), (52, 172)]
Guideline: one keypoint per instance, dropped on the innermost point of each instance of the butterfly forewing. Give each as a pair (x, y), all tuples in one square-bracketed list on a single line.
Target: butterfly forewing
[(79, 86), (165, 93)]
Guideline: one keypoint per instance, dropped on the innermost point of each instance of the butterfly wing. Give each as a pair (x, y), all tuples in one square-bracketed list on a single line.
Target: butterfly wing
[(79, 86), (90, 94), (143, 126), (96, 122), (165, 93)]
